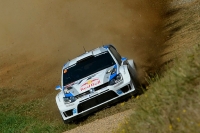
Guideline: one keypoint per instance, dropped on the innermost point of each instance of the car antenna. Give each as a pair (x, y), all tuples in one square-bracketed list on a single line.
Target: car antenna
[(84, 49)]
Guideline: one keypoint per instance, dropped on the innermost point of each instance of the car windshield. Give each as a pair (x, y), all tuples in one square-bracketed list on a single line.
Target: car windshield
[(86, 67)]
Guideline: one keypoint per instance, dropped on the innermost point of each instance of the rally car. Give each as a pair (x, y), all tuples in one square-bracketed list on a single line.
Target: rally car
[(94, 80)]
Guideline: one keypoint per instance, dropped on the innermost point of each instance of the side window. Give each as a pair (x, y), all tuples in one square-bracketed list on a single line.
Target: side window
[(116, 55)]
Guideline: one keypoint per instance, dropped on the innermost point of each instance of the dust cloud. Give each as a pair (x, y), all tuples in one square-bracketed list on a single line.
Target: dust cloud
[(38, 37)]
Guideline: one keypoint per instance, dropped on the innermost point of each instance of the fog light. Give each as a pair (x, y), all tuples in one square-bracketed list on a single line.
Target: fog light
[(119, 92)]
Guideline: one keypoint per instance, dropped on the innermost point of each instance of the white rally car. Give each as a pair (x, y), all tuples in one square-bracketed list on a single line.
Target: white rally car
[(95, 80)]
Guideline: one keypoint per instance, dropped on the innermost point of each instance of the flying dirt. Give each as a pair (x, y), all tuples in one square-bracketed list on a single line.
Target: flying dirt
[(38, 37)]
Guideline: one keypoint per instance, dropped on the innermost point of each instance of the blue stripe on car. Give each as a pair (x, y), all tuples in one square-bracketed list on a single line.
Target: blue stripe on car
[(123, 58), (106, 46), (114, 74), (115, 66), (68, 95)]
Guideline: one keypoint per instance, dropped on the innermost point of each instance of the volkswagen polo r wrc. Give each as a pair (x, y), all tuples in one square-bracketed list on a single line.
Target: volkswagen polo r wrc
[(93, 81)]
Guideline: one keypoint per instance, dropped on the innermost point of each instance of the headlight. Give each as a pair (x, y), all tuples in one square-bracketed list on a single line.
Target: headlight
[(66, 91), (69, 98), (112, 71), (116, 79)]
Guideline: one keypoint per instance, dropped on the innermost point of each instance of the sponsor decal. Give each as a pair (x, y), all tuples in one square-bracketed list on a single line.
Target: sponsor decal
[(90, 83), (69, 85)]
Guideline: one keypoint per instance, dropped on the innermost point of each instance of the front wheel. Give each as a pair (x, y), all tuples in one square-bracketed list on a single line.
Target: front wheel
[(134, 78)]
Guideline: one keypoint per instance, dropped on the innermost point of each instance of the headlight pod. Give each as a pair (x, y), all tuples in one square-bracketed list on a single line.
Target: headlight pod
[(69, 98), (116, 79), (112, 71), (66, 91)]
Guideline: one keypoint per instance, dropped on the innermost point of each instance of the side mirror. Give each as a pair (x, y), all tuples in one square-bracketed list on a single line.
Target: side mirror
[(58, 87)]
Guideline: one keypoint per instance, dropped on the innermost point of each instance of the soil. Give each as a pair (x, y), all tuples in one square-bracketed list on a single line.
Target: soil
[(106, 125), (37, 38)]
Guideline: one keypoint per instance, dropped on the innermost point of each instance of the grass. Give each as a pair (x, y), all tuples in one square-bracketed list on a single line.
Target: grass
[(14, 123), (171, 103), (18, 117)]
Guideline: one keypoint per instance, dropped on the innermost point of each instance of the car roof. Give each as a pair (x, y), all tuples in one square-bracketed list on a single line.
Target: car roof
[(86, 54)]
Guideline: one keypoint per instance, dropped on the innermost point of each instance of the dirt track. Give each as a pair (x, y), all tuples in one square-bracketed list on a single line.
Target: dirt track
[(38, 37)]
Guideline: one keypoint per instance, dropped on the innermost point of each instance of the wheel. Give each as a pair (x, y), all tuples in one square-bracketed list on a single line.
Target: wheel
[(134, 78)]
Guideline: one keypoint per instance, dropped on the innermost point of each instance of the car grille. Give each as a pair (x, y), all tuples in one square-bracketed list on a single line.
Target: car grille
[(96, 100), (82, 94), (101, 86), (96, 89)]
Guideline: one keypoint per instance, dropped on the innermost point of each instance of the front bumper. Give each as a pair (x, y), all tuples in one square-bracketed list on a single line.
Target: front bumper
[(93, 102)]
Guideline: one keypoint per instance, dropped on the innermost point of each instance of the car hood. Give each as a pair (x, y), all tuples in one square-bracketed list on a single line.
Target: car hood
[(91, 81)]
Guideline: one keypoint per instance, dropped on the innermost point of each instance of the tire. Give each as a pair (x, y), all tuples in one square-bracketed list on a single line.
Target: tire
[(134, 78)]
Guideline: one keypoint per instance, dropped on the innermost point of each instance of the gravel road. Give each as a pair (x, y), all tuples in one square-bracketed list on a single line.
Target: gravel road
[(106, 125)]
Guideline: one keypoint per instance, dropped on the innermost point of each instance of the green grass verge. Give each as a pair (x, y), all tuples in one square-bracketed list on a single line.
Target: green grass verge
[(172, 102), (14, 123), (17, 117)]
